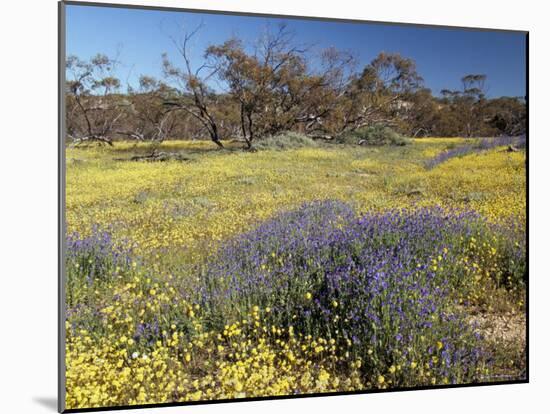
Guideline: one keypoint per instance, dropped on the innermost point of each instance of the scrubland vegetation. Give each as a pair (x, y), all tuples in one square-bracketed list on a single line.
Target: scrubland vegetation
[(247, 92)]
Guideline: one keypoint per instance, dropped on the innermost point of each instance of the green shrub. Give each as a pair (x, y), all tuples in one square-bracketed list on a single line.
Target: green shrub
[(373, 135), (286, 140)]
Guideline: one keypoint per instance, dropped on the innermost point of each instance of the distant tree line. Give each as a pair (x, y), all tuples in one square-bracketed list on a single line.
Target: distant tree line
[(246, 93)]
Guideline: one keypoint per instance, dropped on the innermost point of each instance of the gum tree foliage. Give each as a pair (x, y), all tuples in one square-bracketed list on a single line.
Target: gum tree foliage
[(93, 103), (421, 116), (262, 82), (467, 104), (274, 86), (149, 118), (508, 115), (379, 92)]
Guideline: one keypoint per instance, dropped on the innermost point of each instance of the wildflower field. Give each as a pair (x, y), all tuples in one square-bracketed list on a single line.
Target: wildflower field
[(325, 268)]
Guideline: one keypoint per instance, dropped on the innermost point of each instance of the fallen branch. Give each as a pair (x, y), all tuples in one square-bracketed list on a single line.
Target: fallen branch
[(157, 156)]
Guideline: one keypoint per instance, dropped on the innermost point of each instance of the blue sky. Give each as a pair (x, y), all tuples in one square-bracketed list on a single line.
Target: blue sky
[(442, 55)]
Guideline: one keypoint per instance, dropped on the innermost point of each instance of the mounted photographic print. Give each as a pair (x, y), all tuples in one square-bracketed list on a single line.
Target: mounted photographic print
[(258, 207)]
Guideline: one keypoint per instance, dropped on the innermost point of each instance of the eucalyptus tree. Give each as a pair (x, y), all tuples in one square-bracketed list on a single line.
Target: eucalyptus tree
[(197, 98), (379, 92), (149, 118), (467, 105), (94, 104), (275, 87)]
